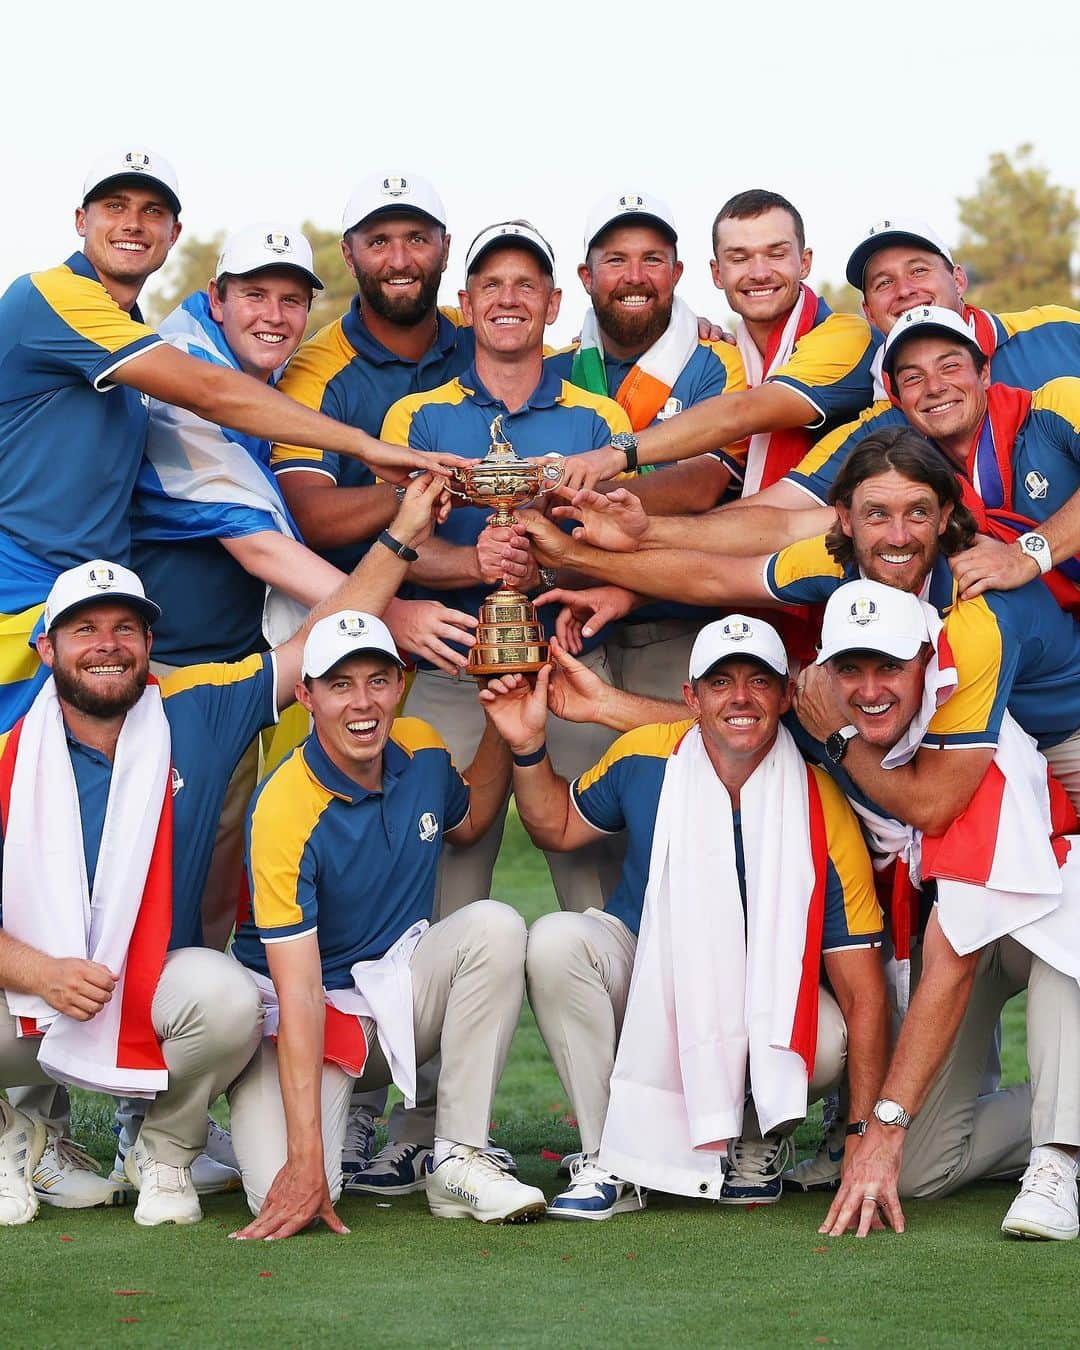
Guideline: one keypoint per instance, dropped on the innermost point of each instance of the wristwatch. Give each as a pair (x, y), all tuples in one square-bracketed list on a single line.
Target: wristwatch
[(836, 745), (403, 551), (626, 441), (856, 1127), (549, 577), (891, 1113), (1037, 546)]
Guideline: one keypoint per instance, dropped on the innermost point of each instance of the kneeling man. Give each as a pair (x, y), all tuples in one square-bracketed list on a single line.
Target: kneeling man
[(744, 868), (343, 845)]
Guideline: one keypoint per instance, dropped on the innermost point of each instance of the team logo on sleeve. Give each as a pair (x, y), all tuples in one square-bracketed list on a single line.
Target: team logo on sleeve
[(278, 242), (137, 161), (737, 630), (352, 625), (863, 611), (428, 826), (395, 187), (671, 408), (1037, 486), (104, 578), (631, 203)]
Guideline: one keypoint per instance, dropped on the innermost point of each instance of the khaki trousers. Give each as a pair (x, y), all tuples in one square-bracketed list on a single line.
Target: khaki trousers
[(959, 1136), (468, 975), (578, 969), (208, 1015), (1064, 759), (653, 659)]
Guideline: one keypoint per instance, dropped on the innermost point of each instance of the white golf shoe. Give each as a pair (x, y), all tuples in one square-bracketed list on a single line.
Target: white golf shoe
[(22, 1142), (166, 1194), (67, 1177), (1046, 1205), (469, 1184)]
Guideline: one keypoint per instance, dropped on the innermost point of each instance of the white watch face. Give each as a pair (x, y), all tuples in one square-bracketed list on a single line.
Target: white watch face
[(889, 1112)]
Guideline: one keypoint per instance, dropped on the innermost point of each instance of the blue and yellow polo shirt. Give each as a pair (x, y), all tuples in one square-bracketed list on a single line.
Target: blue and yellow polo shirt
[(622, 792), (70, 439), (558, 418), (349, 375), (831, 367), (1045, 454), (213, 711), (1013, 649), (357, 868)]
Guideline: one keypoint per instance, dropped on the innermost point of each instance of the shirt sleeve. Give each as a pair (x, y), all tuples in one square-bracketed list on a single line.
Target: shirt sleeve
[(282, 870), (597, 794), (457, 795), (830, 368), (816, 472), (852, 913), (237, 699), (80, 328), (986, 666), (803, 573), (310, 380)]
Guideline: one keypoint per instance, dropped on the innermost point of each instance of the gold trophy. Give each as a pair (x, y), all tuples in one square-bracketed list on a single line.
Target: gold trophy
[(510, 638)]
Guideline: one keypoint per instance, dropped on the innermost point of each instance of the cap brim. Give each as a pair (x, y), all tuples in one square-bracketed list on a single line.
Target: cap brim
[(396, 209), (856, 265), (635, 218), (902, 649), (150, 612), (102, 188), (508, 241), (355, 651), (742, 656), (275, 266), (918, 330)]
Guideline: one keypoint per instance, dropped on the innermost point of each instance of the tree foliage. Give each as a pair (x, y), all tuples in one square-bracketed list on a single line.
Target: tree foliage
[(840, 297), (194, 261), (1019, 235)]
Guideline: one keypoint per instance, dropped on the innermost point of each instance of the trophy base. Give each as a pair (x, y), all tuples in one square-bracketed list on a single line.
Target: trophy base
[(485, 670), (509, 640)]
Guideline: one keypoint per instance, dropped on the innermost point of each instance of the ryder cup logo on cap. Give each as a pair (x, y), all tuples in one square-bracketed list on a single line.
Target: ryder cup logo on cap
[(347, 633), (382, 192), (96, 582), (613, 208), (927, 321), (128, 163), (737, 638), (885, 234), (267, 244), (867, 616)]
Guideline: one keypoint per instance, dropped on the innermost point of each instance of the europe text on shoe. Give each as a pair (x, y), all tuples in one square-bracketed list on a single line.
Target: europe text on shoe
[(219, 1148), (22, 1142), (166, 1194), (595, 1194), (821, 1172), (67, 1176), (755, 1171), (468, 1184), (397, 1169), (359, 1141), (1046, 1205)]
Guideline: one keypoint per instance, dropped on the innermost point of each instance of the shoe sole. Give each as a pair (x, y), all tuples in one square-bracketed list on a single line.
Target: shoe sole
[(747, 1200), (118, 1197), (536, 1209), (160, 1223), (407, 1188), (811, 1187), (594, 1216), (1034, 1232), (38, 1140)]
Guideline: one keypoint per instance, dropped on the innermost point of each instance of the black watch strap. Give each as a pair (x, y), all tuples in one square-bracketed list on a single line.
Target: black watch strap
[(396, 546)]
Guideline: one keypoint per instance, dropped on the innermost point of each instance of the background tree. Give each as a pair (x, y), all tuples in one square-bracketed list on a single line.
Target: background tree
[(839, 296), (1019, 236), (194, 262)]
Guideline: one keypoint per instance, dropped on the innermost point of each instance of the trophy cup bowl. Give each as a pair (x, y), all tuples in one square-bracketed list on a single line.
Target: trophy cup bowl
[(510, 638)]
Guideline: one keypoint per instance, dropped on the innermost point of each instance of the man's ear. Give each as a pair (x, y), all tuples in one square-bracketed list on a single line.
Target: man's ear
[(45, 649)]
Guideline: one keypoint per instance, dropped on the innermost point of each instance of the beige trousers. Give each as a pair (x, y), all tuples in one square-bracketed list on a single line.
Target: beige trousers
[(578, 969), (959, 1136), (1064, 759), (468, 976), (653, 659), (208, 1015)]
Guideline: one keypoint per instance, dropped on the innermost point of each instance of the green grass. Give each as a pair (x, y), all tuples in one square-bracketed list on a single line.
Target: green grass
[(683, 1271)]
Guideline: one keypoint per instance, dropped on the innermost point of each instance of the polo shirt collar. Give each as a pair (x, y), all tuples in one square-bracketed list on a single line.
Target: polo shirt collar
[(329, 776), (547, 393), (359, 336), (81, 265)]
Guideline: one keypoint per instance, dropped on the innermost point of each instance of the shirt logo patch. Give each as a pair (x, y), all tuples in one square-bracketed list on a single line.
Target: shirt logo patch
[(863, 611), (104, 578), (278, 242), (395, 187), (352, 625), (671, 408), (631, 203), (137, 160), (737, 630), (176, 781), (428, 825), (1037, 486)]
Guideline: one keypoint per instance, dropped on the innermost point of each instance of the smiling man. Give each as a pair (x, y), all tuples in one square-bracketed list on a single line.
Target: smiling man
[(344, 840), (704, 904)]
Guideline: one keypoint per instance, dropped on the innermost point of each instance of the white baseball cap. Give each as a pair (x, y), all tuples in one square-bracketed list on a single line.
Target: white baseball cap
[(734, 638), (622, 207), (922, 321), (867, 616), (511, 234), (346, 633), (267, 244), (135, 164), (886, 233), (91, 583), (379, 193)]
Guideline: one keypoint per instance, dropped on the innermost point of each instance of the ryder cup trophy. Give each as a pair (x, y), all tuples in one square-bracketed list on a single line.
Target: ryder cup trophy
[(510, 638)]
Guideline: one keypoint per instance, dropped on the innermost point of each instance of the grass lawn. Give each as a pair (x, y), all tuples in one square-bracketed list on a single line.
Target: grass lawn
[(681, 1271)]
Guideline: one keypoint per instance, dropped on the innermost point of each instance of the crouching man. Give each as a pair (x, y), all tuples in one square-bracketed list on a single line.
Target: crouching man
[(343, 845), (744, 870), (1002, 884)]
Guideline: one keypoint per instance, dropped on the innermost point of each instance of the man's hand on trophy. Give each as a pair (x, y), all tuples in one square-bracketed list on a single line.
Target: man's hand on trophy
[(594, 466), (550, 546), (425, 628), (518, 709), (616, 520), (504, 554), (425, 504), (574, 692), (586, 611)]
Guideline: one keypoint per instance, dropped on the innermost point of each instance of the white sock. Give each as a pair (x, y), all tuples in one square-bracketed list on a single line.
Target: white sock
[(1047, 1153), (443, 1149)]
